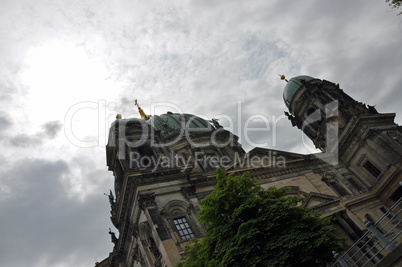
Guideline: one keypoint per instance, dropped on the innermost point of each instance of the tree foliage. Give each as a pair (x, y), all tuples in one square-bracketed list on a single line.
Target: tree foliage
[(395, 4), (251, 226)]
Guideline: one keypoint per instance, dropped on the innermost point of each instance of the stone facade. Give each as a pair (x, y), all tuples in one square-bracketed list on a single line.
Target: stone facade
[(163, 167)]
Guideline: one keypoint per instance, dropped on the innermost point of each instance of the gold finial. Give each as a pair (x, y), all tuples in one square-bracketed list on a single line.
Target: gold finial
[(283, 77), (142, 113), (118, 116)]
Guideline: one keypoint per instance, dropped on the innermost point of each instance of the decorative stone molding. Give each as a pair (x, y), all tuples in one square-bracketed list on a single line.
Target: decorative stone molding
[(327, 201), (146, 199), (331, 180), (392, 134), (292, 190), (189, 191), (134, 252), (372, 134), (144, 233), (176, 207), (328, 177), (141, 260), (134, 230)]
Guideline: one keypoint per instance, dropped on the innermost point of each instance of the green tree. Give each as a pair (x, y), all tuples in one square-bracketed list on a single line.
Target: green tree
[(395, 4), (251, 226)]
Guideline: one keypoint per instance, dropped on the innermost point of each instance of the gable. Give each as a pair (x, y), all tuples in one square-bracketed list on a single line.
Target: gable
[(322, 202)]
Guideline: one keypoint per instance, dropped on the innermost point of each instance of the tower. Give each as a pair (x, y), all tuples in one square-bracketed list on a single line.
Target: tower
[(367, 142)]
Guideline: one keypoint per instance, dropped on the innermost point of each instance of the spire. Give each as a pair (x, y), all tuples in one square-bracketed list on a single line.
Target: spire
[(142, 113), (283, 77)]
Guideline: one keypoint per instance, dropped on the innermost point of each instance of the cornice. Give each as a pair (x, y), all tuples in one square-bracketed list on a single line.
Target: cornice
[(357, 129), (361, 200), (263, 173)]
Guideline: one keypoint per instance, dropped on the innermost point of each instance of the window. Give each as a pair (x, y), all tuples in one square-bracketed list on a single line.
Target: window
[(180, 216), (338, 188), (183, 228), (397, 194), (355, 184), (372, 169), (330, 180)]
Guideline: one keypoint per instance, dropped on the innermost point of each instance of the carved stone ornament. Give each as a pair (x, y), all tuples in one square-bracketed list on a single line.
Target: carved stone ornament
[(393, 135), (134, 253), (165, 214), (115, 240), (140, 258), (146, 199), (134, 230), (372, 133), (328, 177), (190, 208), (189, 191)]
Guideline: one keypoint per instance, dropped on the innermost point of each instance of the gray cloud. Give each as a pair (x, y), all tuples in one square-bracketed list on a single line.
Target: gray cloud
[(24, 140), (46, 225), (52, 128), (5, 122)]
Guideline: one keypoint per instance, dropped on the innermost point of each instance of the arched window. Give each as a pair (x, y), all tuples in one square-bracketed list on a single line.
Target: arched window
[(152, 254), (181, 218)]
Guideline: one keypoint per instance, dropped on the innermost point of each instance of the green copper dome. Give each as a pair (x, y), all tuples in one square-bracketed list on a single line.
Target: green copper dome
[(292, 86), (177, 121)]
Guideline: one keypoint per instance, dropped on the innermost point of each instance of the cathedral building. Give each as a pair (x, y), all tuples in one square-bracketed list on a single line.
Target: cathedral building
[(164, 165)]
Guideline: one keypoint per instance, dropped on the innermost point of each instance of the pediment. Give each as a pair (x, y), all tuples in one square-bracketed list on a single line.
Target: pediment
[(264, 157), (258, 151), (318, 201), (271, 156)]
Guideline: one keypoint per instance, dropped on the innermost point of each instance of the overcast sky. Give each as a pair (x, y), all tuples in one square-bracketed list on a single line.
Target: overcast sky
[(68, 66)]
